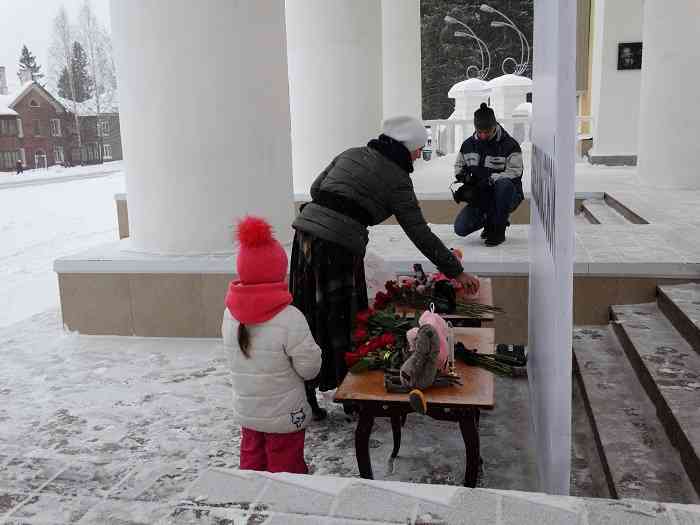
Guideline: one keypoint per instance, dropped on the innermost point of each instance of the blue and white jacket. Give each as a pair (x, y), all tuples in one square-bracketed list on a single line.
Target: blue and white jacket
[(498, 158)]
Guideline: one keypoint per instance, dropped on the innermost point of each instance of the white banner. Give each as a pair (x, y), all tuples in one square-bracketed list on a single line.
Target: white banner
[(552, 239)]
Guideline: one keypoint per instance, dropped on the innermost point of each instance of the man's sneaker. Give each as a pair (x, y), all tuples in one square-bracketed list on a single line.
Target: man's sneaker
[(417, 400), (496, 236)]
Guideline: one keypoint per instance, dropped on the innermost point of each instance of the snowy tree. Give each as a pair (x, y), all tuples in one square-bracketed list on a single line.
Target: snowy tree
[(61, 54), (27, 62), (76, 84), (98, 46)]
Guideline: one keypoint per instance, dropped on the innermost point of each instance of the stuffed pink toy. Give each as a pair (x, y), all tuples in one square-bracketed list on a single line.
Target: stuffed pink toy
[(440, 326)]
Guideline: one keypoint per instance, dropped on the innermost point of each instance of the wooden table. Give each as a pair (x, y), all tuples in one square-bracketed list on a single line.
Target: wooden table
[(485, 296), (456, 403)]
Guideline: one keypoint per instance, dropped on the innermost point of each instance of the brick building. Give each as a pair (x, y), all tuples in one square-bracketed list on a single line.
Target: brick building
[(101, 137), (34, 127), (39, 129)]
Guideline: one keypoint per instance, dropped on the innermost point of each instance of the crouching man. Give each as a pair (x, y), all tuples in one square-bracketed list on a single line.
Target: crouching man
[(490, 167)]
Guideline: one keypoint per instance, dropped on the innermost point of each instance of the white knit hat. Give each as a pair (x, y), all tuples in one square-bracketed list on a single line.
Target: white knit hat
[(408, 130)]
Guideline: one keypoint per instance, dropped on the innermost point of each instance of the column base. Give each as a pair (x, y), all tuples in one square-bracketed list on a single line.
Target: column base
[(111, 290)]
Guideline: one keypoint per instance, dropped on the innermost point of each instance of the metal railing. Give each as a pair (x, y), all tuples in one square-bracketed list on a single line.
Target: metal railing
[(448, 135)]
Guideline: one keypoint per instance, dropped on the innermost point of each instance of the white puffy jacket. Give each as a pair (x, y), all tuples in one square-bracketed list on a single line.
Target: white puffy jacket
[(268, 387)]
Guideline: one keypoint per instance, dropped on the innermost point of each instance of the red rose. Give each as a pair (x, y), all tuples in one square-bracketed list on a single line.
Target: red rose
[(387, 339), (363, 316), (381, 300), (440, 277), (363, 350), (359, 335), (392, 287), (351, 358), (373, 344)]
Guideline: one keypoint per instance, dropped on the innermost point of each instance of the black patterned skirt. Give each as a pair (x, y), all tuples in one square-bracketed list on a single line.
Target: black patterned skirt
[(328, 285)]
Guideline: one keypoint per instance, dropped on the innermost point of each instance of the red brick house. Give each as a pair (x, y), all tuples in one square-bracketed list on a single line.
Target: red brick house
[(34, 127)]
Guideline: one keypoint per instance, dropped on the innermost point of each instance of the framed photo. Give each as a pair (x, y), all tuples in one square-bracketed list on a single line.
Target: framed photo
[(629, 56)]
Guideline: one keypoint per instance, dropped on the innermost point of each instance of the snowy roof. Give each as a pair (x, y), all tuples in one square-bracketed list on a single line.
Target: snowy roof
[(511, 81), (8, 101), (5, 111), (109, 103), (470, 85)]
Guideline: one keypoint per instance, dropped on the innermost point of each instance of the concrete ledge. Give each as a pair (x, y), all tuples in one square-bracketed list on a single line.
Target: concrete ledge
[(157, 295), (120, 258)]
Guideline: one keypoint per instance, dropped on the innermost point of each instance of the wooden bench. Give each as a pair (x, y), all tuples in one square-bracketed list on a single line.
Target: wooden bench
[(462, 403)]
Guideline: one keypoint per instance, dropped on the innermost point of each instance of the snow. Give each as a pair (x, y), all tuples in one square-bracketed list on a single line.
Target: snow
[(7, 112), (109, 103), (57, 173), (471, 85), (510, 80), (39, 223)]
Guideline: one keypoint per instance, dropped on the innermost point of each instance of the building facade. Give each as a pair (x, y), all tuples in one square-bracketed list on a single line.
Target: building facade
[(39, 130), (34, 128), (101, 136)]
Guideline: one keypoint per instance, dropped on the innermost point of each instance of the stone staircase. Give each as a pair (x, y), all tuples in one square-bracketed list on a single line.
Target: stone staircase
[(597, 211), (640, 382)]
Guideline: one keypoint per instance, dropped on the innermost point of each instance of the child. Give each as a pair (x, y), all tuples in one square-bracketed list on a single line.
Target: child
[(271, 352)]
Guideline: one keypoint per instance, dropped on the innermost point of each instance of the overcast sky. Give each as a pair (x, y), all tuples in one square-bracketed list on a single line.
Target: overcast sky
[(29, 22)]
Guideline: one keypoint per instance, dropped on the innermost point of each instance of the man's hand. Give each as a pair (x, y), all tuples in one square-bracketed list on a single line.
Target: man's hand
[(470, 282), (464, 175)]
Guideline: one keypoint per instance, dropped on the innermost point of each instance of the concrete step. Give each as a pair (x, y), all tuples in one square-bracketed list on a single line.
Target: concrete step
[(598, 212), (681, 305), (638, 459), (669, 370)]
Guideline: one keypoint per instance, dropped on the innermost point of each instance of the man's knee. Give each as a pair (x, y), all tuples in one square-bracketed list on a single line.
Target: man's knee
[(504, 188), (468, 221)]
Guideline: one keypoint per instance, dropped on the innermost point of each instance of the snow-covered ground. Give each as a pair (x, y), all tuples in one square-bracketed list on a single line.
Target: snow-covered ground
[(58, 174), (39, 223)]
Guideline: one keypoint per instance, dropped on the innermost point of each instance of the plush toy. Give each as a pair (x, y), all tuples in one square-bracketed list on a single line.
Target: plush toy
[(426, 362)]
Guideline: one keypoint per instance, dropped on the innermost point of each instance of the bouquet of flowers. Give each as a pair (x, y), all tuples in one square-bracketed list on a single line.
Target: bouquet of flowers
[(379, 338), (420, 293)]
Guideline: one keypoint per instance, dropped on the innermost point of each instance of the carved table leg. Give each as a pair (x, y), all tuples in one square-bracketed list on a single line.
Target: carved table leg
[(396, 432), (469, 426), (362, 433)]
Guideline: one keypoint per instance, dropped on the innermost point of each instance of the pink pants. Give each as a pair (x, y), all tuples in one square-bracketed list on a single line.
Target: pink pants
[(273, 452)]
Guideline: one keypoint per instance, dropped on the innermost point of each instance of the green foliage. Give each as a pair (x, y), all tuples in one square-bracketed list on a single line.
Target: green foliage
[(27, 62), (445, 58)]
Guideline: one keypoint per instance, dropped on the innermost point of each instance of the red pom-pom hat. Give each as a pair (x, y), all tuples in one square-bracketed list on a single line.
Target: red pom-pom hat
[(261, 258)]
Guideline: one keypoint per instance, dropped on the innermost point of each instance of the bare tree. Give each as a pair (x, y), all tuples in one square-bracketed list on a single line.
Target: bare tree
[(61, 56), (93, 36)]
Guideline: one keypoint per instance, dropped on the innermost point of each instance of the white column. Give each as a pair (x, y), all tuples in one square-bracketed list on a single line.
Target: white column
[(401, 57), (205, 120), (615, 93), (335, 80), (551, 240), (669, 120)]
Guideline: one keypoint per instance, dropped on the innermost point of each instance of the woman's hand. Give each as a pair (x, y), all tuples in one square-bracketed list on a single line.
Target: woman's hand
[(470, 282)]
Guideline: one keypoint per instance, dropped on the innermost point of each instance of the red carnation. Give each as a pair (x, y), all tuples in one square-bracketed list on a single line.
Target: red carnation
[(387, 339), (359, 335)]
